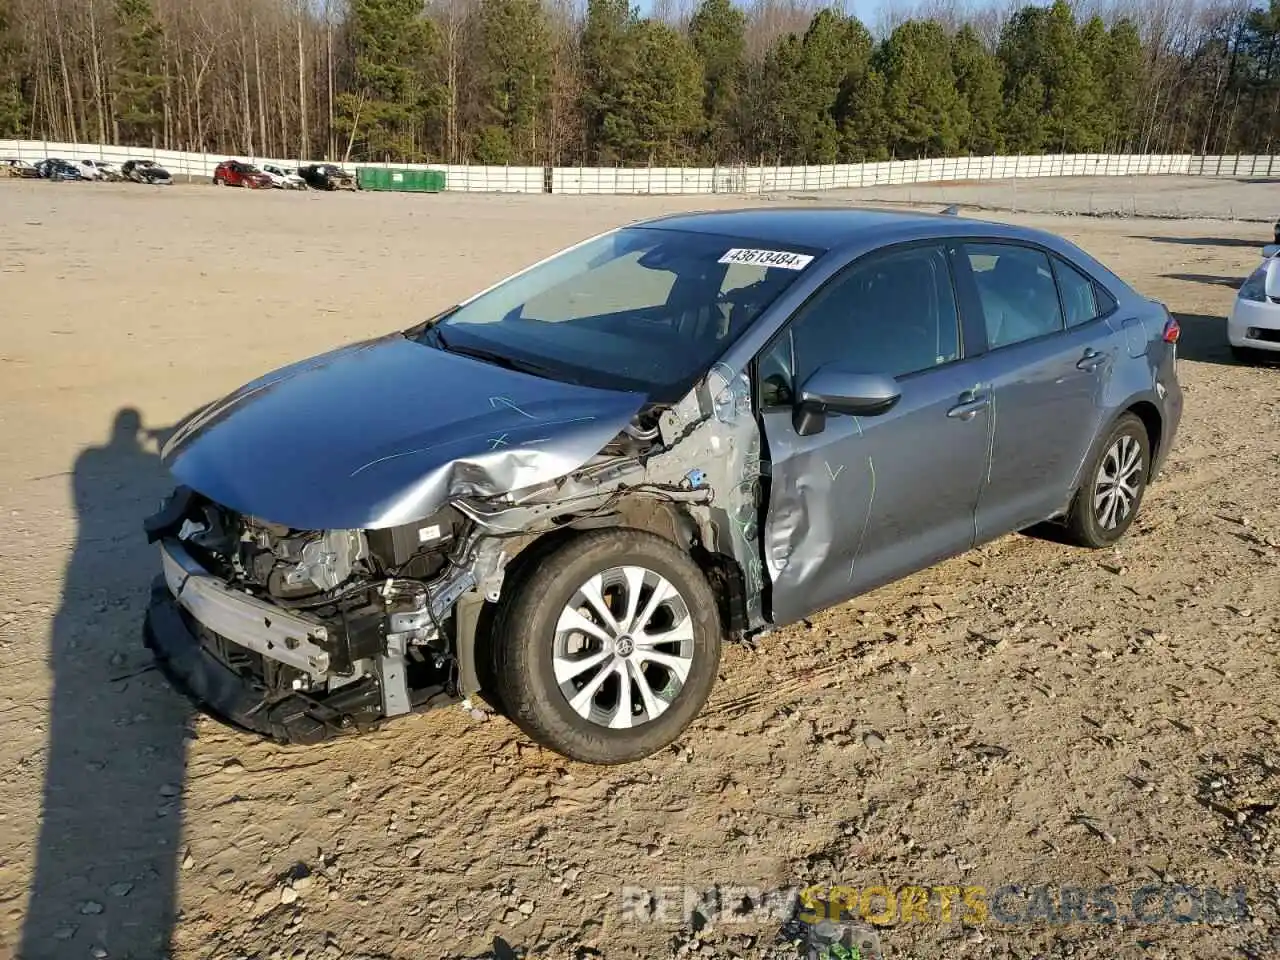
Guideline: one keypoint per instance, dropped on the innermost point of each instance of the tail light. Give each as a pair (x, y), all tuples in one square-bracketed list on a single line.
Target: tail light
[(1172, 331)]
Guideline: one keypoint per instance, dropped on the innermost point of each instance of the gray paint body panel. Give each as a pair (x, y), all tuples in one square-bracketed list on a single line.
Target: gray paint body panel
[(1047, 411), (855, 507), (386, 432)]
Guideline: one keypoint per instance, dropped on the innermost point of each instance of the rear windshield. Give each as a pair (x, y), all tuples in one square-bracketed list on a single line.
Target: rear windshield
[(638, 309)]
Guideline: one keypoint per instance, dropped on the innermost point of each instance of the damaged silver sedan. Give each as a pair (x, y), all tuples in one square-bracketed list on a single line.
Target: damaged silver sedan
[(565, 493)]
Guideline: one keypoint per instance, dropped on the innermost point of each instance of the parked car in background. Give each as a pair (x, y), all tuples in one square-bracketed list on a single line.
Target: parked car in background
[(283, 178), (56, 169), (18, 168), (568, 491), (98, 170), (237, 173), (1253, 328), (146, 171), (327, 176)]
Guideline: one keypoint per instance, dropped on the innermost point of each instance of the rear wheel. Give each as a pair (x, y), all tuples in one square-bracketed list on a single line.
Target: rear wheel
[(1111, 491), (608, 650)]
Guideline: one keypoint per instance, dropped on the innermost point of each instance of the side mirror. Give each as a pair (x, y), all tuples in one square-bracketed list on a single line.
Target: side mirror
[(832, 390), (1270, 250)]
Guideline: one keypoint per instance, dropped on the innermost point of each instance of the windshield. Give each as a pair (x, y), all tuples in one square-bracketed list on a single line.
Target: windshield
[(638, 309)]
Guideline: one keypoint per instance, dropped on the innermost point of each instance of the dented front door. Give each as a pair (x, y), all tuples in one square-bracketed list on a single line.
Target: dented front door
[(871, 499)]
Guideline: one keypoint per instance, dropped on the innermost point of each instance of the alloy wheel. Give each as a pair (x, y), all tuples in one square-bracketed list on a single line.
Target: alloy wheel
[(1118, 482), (623, 647)]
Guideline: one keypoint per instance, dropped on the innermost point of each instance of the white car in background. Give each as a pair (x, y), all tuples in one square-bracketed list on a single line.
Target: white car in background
[(97, 170), (1254, 324), (283, 178)]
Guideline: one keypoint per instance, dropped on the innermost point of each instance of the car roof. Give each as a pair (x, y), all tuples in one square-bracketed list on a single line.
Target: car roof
[(834, 228)]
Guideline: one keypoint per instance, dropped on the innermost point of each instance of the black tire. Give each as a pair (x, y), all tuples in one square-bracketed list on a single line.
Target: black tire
[(219, 182), (525, 642), (1086, 522), (1242, 354)]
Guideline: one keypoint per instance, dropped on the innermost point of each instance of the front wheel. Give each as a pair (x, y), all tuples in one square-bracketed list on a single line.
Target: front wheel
[(219, 182), (608, 650), (1111, 490)]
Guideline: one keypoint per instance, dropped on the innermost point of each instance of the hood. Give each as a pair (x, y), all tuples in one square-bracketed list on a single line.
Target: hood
[(386, 432)]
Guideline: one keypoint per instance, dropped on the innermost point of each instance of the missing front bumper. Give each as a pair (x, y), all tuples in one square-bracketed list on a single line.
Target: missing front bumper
[(258, 626), (241, 701)]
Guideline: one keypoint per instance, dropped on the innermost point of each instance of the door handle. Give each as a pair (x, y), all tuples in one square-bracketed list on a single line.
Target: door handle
[(1091, 360), (969, 406)]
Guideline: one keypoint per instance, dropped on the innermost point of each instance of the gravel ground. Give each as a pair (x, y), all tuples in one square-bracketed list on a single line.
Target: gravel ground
[(1219, 198), (1027, 714)]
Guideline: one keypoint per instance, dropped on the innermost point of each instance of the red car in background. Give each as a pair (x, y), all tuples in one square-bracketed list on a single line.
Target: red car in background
[(235, 173)]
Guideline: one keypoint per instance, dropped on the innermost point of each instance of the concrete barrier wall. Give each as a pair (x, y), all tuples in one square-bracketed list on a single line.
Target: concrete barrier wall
[(735, 179)]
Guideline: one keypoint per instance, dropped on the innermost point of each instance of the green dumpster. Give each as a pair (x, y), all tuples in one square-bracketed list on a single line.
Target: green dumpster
[(372, 178), (401, 179)]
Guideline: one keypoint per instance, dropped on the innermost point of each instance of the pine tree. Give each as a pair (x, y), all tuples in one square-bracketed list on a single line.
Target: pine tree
[(776, 124), (13, 108), (1123, 82), (717, 33), (979, 81), (513, 77), (137, 78), (395, 90), (1024, 119), (1042, 54), (834, 52), (1095, 46), (1067, 78), (927, 115), (608, 59), (660, 101), (864, 124)]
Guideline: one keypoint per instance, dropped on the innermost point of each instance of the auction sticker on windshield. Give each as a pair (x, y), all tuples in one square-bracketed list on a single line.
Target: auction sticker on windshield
[(783, 259)]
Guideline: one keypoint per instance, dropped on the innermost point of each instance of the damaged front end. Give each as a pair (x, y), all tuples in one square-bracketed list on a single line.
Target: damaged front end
[(299, 634), (303, 634)]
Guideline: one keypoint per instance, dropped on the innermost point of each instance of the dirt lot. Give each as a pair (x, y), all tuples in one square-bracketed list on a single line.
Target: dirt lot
[(1026, 714), (1224, 198)]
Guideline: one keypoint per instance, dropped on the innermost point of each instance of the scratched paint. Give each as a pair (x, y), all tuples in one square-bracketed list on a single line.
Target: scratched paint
[(496, 402)]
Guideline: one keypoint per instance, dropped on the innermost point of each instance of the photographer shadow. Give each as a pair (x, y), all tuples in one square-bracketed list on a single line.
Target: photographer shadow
[(107, 856)]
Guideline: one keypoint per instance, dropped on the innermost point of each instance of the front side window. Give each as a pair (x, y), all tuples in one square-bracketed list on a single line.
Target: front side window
[(891, 313), (1019, 297), (638, 309)]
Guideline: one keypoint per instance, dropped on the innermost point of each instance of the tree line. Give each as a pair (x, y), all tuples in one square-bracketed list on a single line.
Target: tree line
[(592, 82)]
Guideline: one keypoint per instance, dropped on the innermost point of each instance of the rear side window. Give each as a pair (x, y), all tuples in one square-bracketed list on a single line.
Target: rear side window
[(1019, 297), (1106, 302), (1079, 299)]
